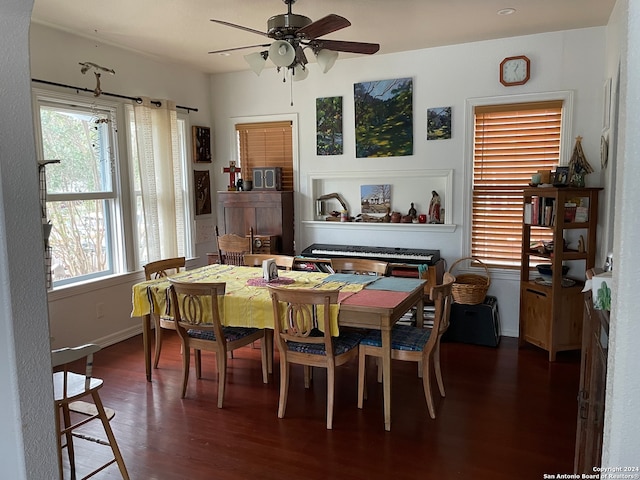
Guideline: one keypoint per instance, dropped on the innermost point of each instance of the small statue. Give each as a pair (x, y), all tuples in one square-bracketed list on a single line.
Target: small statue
[(434, 208), (239, 185), (413, 213), (387, 217)]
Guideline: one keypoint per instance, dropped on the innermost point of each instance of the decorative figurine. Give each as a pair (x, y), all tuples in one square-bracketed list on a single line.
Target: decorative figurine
[(434, 208), (413, 212)]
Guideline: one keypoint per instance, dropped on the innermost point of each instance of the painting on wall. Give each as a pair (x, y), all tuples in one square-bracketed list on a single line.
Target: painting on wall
[(375, 198), (329, 126), (439, 123), (384, 118), (202, 191), (201, 144)]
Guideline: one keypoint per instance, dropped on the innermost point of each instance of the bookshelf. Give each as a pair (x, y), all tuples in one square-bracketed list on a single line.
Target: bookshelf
[(551, 311)]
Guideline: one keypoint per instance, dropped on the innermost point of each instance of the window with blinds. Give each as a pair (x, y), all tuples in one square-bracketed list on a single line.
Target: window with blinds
[(266, 144), (511, 142)]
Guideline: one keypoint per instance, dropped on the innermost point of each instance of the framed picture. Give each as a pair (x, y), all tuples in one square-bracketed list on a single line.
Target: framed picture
[(201, 144), (561, 177), (606, 105), (329, 126), (439, 123), (202, 191)]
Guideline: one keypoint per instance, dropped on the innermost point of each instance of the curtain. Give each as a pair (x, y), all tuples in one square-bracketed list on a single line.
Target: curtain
[(161, 178)]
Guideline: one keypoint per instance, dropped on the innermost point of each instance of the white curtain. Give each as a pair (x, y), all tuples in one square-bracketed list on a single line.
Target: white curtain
[(161, 178)]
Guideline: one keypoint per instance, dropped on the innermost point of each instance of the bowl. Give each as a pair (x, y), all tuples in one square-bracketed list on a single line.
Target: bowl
[(545, 270)]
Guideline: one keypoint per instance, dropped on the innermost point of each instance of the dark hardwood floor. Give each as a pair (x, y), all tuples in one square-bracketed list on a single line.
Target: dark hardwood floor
[(508, 413)]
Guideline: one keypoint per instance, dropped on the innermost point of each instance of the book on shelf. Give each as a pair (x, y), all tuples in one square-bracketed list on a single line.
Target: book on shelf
[(527, 213), (582, 214), (535, 210), (569, 212)]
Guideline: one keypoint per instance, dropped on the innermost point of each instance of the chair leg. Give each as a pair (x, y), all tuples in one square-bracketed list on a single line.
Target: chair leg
[(186, 360), (221, 358), (284, 386), (264, 355), (198, 361), (66, 415), (307, 376), (112, 439), (331, 382), (158, 330), (362, 361), (426, 382), (436, 366), (59, 441)]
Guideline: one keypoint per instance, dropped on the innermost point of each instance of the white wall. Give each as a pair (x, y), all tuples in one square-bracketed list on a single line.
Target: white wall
[(27, 436), (621, 436), (445, 76), (54, 58)]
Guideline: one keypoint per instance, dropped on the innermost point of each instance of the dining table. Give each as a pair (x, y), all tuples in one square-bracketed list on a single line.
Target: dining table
[(365, 301)]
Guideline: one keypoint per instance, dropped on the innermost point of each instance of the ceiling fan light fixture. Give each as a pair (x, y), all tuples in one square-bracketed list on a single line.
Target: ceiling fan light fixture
[(257, 61), (299, 72), (282, 53), (326, 59)]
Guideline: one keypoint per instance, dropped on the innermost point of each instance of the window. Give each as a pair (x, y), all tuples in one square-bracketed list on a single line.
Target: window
[(511, 142), (266, 144), (94, 231)]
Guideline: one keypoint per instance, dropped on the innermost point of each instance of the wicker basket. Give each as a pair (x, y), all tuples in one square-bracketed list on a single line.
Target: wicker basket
[(470, 288)]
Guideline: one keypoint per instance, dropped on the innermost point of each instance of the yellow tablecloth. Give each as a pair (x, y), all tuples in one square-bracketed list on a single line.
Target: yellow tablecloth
[(244, 305)]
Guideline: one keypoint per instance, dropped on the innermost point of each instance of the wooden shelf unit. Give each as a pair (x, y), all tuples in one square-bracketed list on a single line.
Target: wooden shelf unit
[(551, 315)]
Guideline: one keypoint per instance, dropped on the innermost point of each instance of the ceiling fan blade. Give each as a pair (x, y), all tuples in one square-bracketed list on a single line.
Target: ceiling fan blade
[(246, 29), (325, 25), (238, 48), (343, 46)]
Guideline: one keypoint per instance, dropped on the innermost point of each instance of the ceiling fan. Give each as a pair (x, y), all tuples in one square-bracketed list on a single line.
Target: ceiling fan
[(292, 34)]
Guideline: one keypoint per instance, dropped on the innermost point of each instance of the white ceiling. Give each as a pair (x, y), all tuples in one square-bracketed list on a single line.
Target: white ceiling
[(179, 31)]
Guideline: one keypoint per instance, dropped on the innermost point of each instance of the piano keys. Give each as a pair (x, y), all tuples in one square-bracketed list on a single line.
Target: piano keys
[(410, 256)]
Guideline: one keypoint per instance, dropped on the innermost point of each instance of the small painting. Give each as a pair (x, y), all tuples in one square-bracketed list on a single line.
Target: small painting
[(375, 198), (201, 144), (561, 177), (384, 118), (329, 126), (439, 123), (202, 191)]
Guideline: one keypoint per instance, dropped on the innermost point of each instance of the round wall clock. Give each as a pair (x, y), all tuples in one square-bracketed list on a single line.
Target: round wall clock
[(515, 70)]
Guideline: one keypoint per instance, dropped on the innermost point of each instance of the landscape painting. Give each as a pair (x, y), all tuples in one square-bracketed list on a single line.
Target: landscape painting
[(375, 198), (438, 123), (329, 126), (384, 118)]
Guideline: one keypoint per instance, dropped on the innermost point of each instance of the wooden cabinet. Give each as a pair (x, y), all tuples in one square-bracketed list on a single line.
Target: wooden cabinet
[(591, 396), (269, 213), (551, 312)]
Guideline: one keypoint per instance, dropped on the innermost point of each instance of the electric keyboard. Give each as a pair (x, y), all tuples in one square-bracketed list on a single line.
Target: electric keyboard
[(413, 256)]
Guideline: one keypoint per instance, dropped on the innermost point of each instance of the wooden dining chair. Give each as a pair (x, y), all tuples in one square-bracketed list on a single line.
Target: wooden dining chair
[(302, 334), (413, 344), (152, 271), (196, 313), (361, 266), (232, 248), (69, 389), (284, 262)]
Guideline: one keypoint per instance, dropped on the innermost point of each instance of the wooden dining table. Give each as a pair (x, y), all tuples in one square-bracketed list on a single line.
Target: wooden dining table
[(364, 302)]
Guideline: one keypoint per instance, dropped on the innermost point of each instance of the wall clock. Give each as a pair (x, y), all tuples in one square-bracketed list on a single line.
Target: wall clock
[(515, 70)]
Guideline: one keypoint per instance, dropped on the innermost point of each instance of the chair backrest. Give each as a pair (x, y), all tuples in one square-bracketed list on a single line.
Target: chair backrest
[(361, 266), (196, 306), (232, 248), (284, 262), (66, 355), (299, 318), (162, 268), (442, 299)]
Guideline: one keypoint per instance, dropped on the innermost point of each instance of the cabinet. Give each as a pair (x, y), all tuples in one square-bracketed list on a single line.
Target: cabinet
[(270, 213), (591, 396), (551, 312)]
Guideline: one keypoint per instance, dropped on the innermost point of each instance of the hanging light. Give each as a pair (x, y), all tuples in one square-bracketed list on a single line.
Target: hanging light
[(282, 53), (257, 61), (326, 59), (299, 72)]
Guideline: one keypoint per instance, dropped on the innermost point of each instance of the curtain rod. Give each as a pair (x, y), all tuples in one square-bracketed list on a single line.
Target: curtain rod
[(135, 99)]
